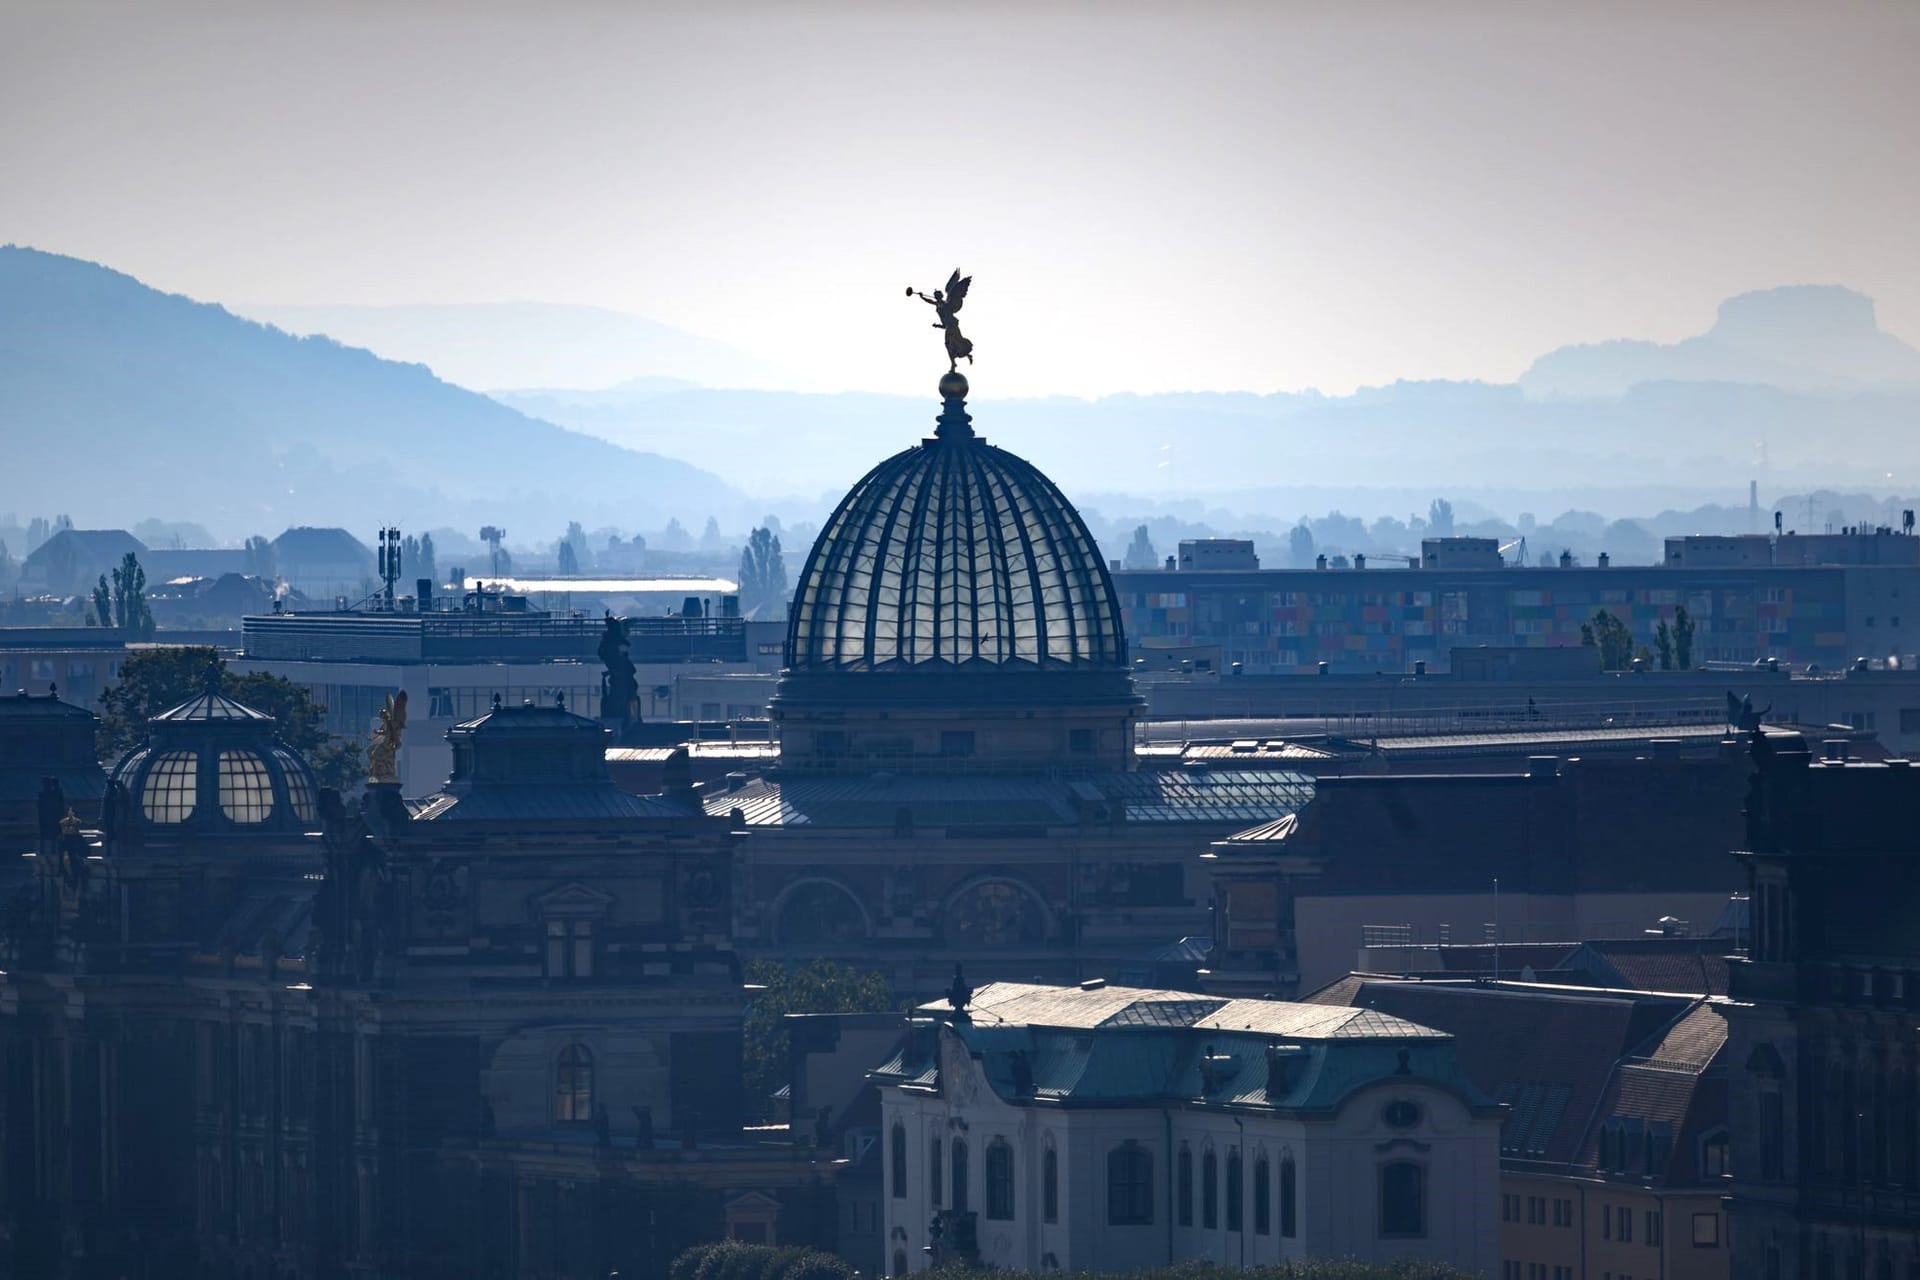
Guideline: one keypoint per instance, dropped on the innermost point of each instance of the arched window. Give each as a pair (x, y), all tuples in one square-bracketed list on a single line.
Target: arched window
[(1289, 1190), (1129, 1186), (960, 1175), (1209, 1191), (999, 1180), (898, 1156), (936, 1174), (1050, 1185), (1236, 1198), (573, 1085), (1262, 1196), (1403, 1199), (821, 912), (1186, 1185), (1714, 1154)]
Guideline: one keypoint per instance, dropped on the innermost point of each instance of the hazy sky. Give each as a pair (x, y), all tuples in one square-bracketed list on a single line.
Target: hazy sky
[(1151, 197)]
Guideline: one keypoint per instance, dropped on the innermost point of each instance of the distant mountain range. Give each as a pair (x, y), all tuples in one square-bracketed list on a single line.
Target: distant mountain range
[(118, 402), (527, 344), (1801, 338)]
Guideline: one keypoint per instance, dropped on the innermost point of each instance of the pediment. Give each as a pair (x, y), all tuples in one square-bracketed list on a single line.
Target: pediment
[(574, 899)]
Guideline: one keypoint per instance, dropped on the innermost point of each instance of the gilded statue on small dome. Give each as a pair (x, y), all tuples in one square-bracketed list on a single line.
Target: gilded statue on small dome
[(384, 751)]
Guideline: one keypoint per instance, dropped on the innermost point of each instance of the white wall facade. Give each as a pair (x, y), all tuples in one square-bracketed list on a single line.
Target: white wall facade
[(1338, 1162)]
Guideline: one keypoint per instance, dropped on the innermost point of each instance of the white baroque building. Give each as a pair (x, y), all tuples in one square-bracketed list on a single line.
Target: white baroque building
[(1103, 1128)]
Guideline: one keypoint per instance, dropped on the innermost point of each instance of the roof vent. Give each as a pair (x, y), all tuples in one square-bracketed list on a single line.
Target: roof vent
[(1094, 984), (1283, 1068)]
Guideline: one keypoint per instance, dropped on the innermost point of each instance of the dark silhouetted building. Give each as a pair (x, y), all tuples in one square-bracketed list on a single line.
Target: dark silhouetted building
[(1825, 1020)]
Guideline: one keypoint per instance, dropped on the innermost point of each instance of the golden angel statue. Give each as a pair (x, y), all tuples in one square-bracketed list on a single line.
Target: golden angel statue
[(384, 751), (946, 305)]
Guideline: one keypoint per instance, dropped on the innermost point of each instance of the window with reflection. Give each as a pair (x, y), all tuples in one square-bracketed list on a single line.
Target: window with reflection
[(1209, 1191), (246, 788), (1403, 1199), (1050, 1186), (1129, 1186), (1184, 1179), (821, 912), (897, 1160), (573, 1085), (299, 790), (960, 1204), (999, 1180), (172, 787), (1262, 1196), (569, 947), (1289, 1192)]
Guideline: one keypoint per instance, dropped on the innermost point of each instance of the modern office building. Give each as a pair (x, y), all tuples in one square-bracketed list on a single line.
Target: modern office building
[(1805, 604)]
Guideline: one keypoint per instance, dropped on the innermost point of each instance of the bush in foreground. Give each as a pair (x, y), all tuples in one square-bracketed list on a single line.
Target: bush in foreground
[(1311, 1269), (732, 1260)]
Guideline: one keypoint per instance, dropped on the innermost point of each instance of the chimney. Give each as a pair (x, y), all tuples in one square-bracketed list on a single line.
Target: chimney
[(1169, 562), (1359, 560), (1320, 561), (1605, 559)]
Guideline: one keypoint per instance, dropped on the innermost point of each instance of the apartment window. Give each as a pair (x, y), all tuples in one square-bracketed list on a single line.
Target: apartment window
[(1236, 1199), (936, 1173), (1209, 1191), (1563, 1273), (1403, 1199), (1562, 1213), (1623, 1226), (1536, 1211), (1714, 1155), (1910, 719), (569, 947), (898, 1156), (1706, 1231), (1262, 1197), (1050, 1186), (960, 1175), (573, 1085), (999, 1180), (1184, 1181), (1656, 1228), (1509, 1209), (1606, 1223), (1129, 1186), (1289, 1189)]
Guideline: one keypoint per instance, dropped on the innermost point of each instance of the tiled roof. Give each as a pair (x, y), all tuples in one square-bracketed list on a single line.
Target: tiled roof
[(1694, 965)]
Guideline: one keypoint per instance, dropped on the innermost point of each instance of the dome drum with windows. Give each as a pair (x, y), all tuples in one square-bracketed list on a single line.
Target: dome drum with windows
[(214, 766), (954, 581)]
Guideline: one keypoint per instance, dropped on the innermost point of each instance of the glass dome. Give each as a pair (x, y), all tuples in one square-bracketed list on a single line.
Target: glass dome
[(954, 553), (214, 765)]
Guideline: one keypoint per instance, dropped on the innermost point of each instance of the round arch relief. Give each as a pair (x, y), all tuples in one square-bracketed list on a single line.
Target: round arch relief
[(995, 913), (821, 912)]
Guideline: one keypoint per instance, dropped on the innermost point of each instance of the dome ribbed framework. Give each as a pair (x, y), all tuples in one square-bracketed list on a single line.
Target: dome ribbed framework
[(955, 554)]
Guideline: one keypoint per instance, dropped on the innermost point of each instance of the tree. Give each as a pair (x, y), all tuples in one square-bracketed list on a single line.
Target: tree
[(154, 680), (425, 566), (259, 561), (37, 533), (7, 568), (62, 522), (1663, 641), (569, 562), (1300, 546), (1612, 638), (576, 537), (130, 612), (820, 986), (675, 536), (1440, 518), (1140, 552), (102, 604), (710, 537), (763, 575), (1683, 637)]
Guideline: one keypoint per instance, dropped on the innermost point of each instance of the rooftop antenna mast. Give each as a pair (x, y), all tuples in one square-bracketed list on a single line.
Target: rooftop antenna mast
[(389, 562)]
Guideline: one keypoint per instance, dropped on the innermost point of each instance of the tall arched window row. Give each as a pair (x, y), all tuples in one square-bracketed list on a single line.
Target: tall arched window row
[(1262, 1196), (1050, 1185), (960, 1204), (1209, 1191), (1236, 1197), (1185, 1179), (1289, 1193)]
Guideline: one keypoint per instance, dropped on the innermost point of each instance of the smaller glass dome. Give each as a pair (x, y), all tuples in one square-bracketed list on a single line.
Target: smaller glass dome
[(171, 790), (214, 766)]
